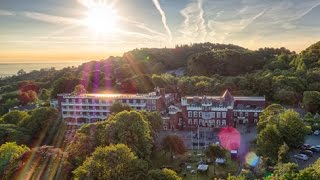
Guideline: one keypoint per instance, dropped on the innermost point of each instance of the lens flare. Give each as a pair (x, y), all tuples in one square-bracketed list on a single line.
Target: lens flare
[(252, 159), (229, 138)]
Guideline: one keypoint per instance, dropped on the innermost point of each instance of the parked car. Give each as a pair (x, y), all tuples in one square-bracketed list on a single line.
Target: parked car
[(313, 149), (317, 146), (316, 132), (306, 152), (301, 156)]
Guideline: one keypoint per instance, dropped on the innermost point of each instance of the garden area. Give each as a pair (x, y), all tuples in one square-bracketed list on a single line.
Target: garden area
[(186, 165)]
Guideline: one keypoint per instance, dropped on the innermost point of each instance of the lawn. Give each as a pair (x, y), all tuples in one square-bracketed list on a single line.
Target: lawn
[(191, 158)]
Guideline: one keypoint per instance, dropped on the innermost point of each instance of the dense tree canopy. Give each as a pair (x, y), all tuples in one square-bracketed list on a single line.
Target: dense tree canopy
[(164, 174), (9, 153), (112, 162)]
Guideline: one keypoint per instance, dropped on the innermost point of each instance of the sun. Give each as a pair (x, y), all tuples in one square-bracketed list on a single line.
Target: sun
[(101, 17)]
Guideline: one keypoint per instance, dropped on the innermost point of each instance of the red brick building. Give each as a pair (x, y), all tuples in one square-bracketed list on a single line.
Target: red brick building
[(214, 111)]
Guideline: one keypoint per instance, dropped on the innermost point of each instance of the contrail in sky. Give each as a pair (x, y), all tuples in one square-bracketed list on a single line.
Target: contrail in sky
[(163, 18)]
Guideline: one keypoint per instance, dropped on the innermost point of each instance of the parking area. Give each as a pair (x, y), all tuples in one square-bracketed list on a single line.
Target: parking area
[(311, 140)]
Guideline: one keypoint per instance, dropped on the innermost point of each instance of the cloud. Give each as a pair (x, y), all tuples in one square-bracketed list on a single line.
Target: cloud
[(6, 13), (194, 27), (163, 18), (51, 18), (142, 26)]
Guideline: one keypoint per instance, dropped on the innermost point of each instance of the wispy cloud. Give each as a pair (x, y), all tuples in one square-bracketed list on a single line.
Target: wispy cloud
[(51, 18), (141, 26), (194, 27), (6, 13), (163, 18)]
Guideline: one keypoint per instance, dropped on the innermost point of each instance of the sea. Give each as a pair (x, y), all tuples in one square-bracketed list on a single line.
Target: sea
[(9, 69)]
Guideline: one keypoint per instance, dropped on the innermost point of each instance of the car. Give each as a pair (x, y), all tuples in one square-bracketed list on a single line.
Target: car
[(313, 149), (317, 146), (306, 152), (316, 132), (301, 156)]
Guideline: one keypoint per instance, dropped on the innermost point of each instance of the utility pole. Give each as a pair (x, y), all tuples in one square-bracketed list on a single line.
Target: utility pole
[(198, 136)]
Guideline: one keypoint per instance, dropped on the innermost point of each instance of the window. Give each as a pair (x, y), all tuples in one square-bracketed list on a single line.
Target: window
[(134, 101), (200, 114), (235, 113), (189, 113), (224, 122), (224, 114), (218, 123), (246, 114), (255, 114), (218, 114), (195, 121), (255, 120), (189, 121), (153, 107), (241, 114), (213, 114), (195, 113)]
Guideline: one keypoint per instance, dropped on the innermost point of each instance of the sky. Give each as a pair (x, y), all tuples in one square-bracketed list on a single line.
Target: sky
[(53, 30)]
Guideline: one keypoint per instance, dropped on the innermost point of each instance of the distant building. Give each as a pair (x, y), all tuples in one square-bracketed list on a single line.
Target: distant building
[(90, 108), (27, 107), (214, 111)]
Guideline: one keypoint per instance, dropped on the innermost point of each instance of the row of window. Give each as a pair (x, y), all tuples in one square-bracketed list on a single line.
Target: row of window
[(90, 101), (207, 115), (246, 114), (207, 122), (86, 107), (97, 108), (86, 113)]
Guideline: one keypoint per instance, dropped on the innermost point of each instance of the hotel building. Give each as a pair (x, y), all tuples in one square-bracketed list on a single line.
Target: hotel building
[(214, 111), (90, 108)]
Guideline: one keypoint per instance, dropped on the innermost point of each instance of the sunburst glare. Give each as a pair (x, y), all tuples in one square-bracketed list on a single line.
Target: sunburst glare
[(101, 17)]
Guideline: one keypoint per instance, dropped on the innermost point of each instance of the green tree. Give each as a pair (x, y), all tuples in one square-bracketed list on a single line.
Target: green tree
[(9, 153), (311, 101), (41, 124), (155, 121), (130, 128), (292, 128), (173, 144), (112, 162), (269, 141), (283, 153), (287, 171), (269, 115), (9, 103), (117, 107), (14, 117), (164, 174), (215, 151), (44, 94)]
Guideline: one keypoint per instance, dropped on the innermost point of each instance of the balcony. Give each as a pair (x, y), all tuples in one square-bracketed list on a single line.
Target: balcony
[(84, 104)]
